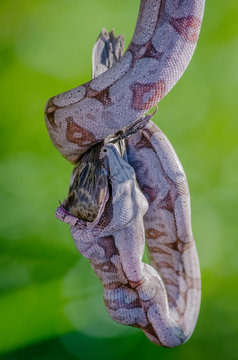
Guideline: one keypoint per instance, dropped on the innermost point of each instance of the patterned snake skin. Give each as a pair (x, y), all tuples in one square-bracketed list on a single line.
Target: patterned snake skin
[(147, 196)]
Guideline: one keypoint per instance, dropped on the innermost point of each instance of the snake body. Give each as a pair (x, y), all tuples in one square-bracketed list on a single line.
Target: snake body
[(147, 196), (162, 45), (162, 298)]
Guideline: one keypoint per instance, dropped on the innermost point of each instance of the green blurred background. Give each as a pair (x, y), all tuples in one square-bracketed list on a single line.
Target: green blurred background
[(51, 304)]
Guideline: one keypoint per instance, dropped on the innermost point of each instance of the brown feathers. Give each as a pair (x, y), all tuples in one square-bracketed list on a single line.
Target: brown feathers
[(88, 186)]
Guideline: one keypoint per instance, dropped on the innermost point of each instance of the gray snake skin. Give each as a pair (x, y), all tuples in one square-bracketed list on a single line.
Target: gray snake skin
[(146, 197)]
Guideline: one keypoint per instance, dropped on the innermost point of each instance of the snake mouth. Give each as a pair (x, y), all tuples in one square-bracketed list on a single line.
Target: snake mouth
[(63, 215)]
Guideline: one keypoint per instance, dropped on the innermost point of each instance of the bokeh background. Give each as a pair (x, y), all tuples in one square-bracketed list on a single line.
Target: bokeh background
[(51, 304)]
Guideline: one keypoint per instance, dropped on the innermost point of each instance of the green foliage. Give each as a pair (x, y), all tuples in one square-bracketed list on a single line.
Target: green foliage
[(51, 303)]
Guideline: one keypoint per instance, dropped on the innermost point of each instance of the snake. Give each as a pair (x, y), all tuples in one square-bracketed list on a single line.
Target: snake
[(130, 189)]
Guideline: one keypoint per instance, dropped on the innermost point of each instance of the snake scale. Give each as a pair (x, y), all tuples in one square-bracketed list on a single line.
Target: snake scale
[(133, 188)]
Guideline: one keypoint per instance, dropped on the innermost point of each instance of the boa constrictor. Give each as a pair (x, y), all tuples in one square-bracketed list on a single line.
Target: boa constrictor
[(146, 195)]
